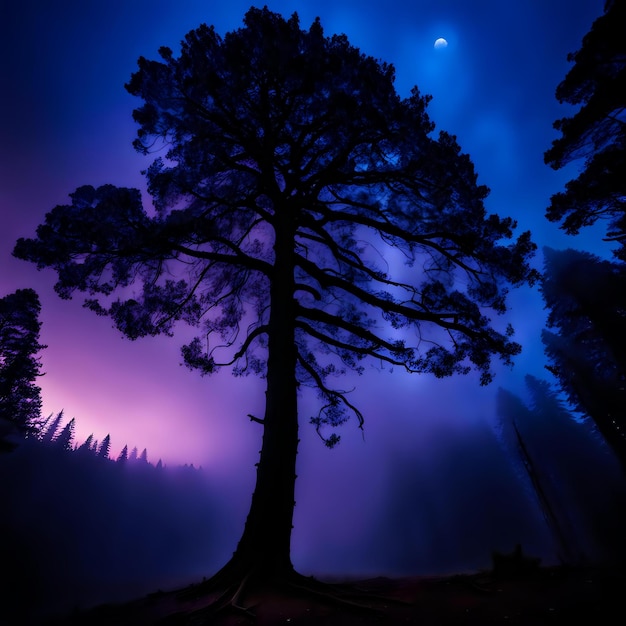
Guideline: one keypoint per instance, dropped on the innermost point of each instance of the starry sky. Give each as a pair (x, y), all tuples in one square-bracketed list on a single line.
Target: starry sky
[(65, 121)]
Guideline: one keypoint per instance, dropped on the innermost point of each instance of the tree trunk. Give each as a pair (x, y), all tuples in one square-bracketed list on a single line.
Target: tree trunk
[(265, 546)]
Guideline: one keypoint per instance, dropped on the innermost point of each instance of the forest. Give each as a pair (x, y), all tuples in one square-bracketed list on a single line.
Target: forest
[(287, 173)]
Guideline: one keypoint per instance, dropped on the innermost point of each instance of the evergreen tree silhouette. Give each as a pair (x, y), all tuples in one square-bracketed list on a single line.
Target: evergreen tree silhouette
[(123, 456), (105, 447), (51, 430), (86, 445), (586, 300), (20, 367), (291, 169), (65, 438), (596, 133)]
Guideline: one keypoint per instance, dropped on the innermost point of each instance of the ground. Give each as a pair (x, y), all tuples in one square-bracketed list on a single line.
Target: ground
[(560, 595)]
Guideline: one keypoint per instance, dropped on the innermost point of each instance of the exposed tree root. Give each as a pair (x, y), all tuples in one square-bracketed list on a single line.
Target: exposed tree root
[(230, 599), (223, 595), (339, 593)]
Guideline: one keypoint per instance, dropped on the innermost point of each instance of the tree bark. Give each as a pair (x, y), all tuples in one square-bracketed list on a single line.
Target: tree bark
[(265, 546)]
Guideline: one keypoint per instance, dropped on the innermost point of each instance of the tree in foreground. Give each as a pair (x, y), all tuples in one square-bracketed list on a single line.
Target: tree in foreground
[(305, 218), (596, 133), (20, 397)]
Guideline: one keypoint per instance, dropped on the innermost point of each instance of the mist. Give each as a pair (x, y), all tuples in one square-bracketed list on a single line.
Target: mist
[(82, 529)]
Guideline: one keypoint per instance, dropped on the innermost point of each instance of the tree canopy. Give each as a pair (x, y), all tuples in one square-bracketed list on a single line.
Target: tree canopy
[(275, 129), (304, 218), (20, 397), (596, 133)]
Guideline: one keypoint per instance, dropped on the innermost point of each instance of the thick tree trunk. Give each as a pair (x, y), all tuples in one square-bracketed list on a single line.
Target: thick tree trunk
[(265, 545)]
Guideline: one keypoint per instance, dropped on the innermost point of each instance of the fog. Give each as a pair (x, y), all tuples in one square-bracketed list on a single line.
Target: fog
[(82, 529)]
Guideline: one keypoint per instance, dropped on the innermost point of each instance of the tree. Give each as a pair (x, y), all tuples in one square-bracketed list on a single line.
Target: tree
[(293, 183), (596, 132), (575, 478), (587, 304), (123, 455), (515, 421), (85, 447), (66, 437), (50, 427), (20, 397), (105, 447)]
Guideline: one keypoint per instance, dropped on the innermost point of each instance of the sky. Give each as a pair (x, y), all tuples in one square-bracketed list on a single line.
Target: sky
[(66, 121)]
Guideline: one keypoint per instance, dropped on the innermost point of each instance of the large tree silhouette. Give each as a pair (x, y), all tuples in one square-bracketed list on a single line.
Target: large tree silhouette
[(596, 133), (305, 218), (20, 367)]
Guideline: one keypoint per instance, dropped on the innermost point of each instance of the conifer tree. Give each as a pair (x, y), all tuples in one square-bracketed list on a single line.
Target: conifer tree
[(123, 455), (290, 178), (586, 300), (20, 367), (51, 430), (105, 447), (595, 135), (86, 445), (65, 438)]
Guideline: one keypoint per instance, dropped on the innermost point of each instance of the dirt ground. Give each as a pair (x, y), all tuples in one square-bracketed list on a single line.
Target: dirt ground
[(547, 596)]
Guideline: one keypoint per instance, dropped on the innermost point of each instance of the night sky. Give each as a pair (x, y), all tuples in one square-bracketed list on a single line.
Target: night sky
[(66, 121)]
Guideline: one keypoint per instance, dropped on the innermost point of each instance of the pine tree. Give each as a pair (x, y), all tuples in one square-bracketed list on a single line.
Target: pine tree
[(86, 445), (123, 456), (20, 367), (291, 169), (65, 438), (586, 299), (596, 133), (105, 447), (51, 431)]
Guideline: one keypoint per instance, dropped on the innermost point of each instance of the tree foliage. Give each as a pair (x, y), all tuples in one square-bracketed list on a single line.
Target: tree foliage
[(20, 367), (596, 133), (305, 218), (587, 308), (276, 132)]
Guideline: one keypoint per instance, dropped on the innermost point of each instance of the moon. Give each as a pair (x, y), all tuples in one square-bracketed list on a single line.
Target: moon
[(440, 43)]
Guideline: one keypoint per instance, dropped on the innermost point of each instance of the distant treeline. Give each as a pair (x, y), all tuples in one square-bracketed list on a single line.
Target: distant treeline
[(62, 436), (79, 528)]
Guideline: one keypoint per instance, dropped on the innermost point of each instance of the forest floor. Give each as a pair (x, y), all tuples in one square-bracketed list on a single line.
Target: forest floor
[(559, 595)]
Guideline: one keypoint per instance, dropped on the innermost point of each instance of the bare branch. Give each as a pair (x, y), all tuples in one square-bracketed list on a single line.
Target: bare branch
[(331, 393)]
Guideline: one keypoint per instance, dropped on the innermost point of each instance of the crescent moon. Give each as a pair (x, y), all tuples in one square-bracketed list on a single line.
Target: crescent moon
[(440, 43)]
